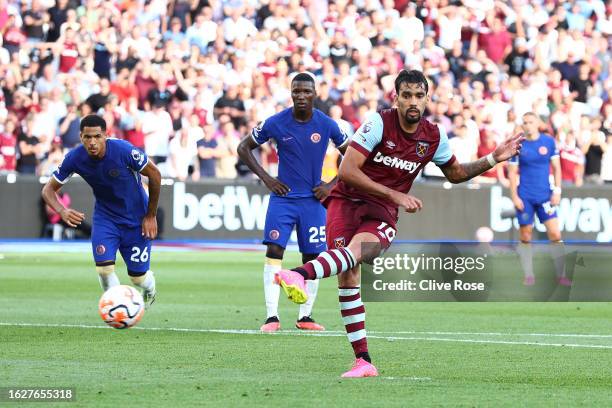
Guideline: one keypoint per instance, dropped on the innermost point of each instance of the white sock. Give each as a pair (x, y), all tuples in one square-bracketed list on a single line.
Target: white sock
[(312, 286), (108, 281), (271, 289), (146, 281), (557, 251), (526, 255)]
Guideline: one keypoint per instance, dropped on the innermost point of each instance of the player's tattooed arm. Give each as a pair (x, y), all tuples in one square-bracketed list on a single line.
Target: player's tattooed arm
[(460, 172), (245, 152)]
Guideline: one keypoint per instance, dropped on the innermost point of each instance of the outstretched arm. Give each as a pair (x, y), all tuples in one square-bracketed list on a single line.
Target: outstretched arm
[(460, 172), (149, 222), (245, 152), (49, 194)]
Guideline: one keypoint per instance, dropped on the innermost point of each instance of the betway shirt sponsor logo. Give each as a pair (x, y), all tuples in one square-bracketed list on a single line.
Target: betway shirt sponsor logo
[(391, 161)]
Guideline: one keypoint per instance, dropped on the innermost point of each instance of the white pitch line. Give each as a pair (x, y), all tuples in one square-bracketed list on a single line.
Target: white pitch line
[(577, 335), (316, 334)]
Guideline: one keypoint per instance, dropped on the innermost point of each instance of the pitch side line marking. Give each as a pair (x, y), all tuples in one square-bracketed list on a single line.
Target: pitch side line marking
[(320, 334)]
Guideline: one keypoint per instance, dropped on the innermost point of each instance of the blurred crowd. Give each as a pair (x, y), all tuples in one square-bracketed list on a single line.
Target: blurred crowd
[(186, 79)]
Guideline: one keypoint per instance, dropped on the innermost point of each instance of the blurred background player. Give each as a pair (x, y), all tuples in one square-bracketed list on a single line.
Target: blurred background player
[(531, 193), (384, 157), (124, 217), (302, 135)]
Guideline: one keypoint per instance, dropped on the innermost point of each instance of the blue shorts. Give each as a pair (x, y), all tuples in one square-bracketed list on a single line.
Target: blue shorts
[(544, 210), (307, 215), (107, 237)]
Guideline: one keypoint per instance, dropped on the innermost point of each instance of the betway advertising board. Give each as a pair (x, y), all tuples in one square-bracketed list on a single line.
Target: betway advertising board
[(237, 210)]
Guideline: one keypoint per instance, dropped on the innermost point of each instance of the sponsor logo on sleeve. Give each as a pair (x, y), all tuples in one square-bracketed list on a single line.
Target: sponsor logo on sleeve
[(137, 156)]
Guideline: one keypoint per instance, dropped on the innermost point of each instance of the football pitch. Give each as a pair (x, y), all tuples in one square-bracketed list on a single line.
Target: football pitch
[(200, 345)]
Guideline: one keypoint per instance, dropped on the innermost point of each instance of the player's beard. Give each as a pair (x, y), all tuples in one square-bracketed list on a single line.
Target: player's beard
[(412, 119)]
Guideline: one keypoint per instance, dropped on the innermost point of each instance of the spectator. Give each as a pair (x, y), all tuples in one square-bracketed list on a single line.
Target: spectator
[(29, 148), (495, 40), (53, 159), (593, 149), (8, 147), (572, 161), (606, 161), (518, 60), (98, 100), (230, 104), (157, 130), (227, 141), (495, 174), (182, 153), (69, 128), (33, 20), (208, 153)]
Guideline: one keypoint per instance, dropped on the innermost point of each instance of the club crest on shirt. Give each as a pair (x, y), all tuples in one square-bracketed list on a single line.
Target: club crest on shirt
[(543, 150), (339, 242), (114, 173), (100, 249), (421, 148), (274, 234), (390, 145), (315, 138)]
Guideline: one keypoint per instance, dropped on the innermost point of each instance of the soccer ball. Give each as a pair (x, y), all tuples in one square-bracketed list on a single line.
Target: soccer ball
[(121, 307)]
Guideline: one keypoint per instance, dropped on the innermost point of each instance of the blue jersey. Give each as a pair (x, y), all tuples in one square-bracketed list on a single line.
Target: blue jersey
[(534, 167), (301, 147), (115, 180)]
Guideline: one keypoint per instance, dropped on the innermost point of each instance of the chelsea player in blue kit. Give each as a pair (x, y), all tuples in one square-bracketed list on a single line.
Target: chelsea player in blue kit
[(124, 217), (302, 134), (534, 195)]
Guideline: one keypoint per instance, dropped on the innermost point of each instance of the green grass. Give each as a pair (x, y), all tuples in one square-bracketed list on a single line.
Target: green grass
[(432, 363)]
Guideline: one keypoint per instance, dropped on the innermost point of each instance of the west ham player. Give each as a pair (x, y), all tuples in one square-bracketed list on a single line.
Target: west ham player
[(383, 159), (534, 195), (302, 135), (124, 217)]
